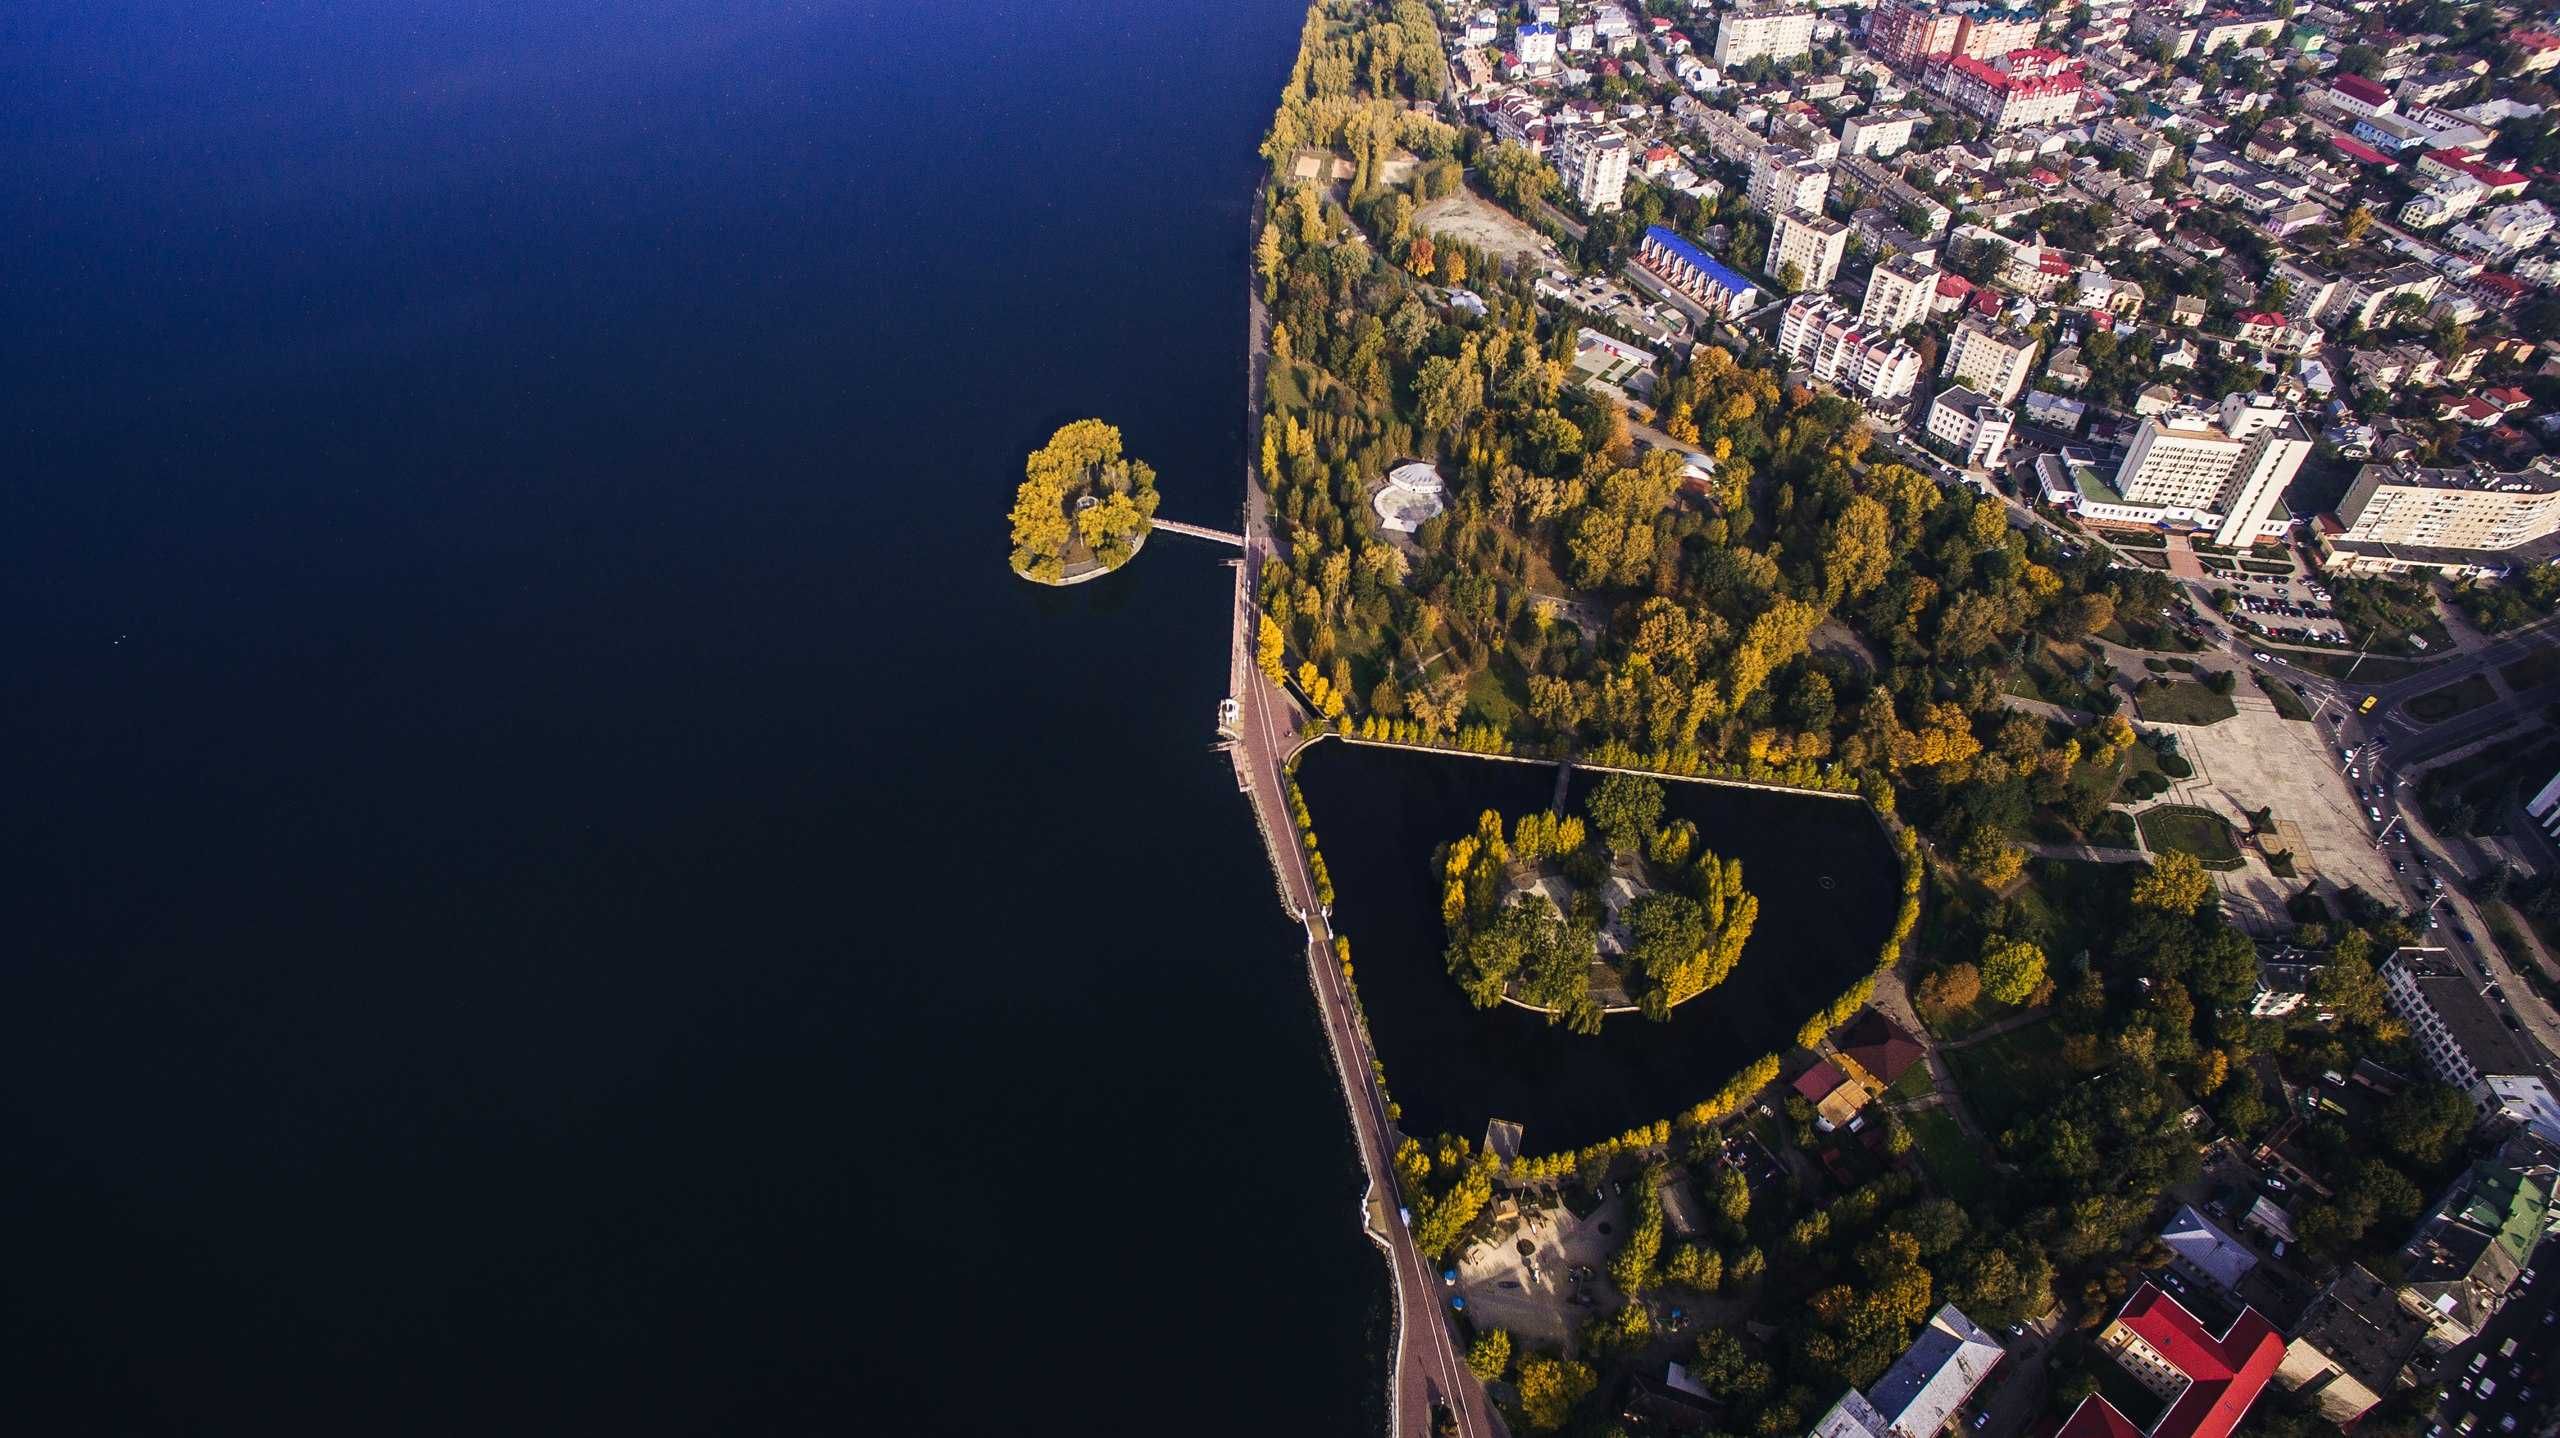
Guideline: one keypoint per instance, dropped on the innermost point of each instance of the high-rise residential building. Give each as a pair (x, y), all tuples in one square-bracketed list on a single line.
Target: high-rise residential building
[(2466, 1044), (1592, 162), (1969, 427), (1814, 244), (1900, 292), (2232, 466), (1907, 33), (1819, 333), (1783, 181), (1995, 361), (1776, 34)]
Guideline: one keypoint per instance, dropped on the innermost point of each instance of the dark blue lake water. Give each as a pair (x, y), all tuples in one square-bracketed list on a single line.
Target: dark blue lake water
[(553, 883)]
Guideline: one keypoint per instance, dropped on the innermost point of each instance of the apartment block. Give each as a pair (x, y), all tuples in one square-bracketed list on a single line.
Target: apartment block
[(1900, 292), (1592, 162), (1814, 243), (2469, 509), (1820, 334), (1775, 34), (1996, 362)]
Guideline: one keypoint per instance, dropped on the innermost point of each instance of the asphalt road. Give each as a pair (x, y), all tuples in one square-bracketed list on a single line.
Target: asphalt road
[(2523, 1390)]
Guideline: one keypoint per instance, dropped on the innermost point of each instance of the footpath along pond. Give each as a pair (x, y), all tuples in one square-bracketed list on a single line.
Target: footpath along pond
[(1823, 871)]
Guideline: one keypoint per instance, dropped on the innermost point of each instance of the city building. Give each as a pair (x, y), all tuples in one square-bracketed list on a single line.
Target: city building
[(2209, 1380), (1900, 293), (1972, 430), (1812, 242), (1820, 334), (1786, 181), (1693, 273), (1881, 132), (2355, 1345), (2445, 513), (2202, 1250), (1923, 1390), (2228, 469), (1775, 34), (2466, 1043), (1592, 162), (1535, 44), (1907, 33), (1994, 361), (2011, 91), (2459, 1267)]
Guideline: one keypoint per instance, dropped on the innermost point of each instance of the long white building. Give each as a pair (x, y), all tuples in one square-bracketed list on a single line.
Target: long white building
[(1819, 333), (1783, 33), (2227, 469)]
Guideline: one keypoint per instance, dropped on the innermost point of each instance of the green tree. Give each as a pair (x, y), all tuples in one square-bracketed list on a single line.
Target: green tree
[(1625, 808), (2176, 883), (2012, 970)]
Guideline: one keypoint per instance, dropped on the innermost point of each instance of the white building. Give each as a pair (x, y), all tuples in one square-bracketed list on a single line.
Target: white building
[(1994, 362), (1778, 34), (1535, 45), (1592, 162), (2466, 1044), (1820, 334), (1899, 294), (2506, 231), (1812, 242), (2228, 469), (1881, 133), (1972, 428), (1785, 181), (2463, 509)]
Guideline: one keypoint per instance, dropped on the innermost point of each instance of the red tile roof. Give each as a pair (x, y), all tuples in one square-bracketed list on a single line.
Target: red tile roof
[(1954, 287), (2225, 1372), (2358, 150), (1818, 1082), (2357, 87)]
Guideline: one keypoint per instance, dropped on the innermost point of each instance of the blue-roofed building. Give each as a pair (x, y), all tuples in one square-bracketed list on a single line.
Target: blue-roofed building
[(1695, 273)]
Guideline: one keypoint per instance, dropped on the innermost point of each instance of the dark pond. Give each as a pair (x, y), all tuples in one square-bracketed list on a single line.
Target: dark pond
[(1827, 885)]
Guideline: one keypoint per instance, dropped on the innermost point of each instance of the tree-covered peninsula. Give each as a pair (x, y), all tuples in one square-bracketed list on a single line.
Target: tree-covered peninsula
[(1083, 508)]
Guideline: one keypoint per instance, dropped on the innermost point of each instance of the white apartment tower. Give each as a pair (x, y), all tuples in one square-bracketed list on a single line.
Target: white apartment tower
[(1784, 181), (1995, 362), (1813, 243), (1592, 162), (1779, 34), (1900, 292)]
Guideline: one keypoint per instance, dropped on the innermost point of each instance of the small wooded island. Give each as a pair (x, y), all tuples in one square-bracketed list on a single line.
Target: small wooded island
[(1641, 919), (1083, 509)]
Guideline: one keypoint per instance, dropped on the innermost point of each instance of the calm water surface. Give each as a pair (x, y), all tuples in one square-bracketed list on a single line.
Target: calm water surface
[(552, 882), (1827, 883)]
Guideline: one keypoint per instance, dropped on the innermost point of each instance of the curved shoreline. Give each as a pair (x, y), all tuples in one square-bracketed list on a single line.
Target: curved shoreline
[(1084, 576)]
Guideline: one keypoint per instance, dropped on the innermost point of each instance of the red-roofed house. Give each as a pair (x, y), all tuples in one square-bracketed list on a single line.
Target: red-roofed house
[(2471, 410), (2358, 150), (2359, 96), (2507, 398), (2536, 49), (2446, 164), (2209, 1379), (2259, 327), (1987, 303)]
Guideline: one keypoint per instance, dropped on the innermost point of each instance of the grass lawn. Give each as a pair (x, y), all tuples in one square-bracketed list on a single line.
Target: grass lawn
[(2153, 558), (2532, 671), (1497, 694), (2010, 1076), (2071, 901), (2183, 704), (1914, 1083), (1951, 1157), (2288, 703), (2438, 705), (2191, 830)]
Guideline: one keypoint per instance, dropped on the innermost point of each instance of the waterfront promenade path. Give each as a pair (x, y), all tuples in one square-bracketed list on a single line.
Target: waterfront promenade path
[(1426, 1368)]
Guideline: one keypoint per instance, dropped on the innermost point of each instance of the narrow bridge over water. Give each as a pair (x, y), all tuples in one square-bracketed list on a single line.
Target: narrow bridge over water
[(1199, 531)]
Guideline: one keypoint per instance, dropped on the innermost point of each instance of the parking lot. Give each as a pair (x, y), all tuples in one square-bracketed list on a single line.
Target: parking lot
[(1659, 322), (2498, 1383), (2291, 610)]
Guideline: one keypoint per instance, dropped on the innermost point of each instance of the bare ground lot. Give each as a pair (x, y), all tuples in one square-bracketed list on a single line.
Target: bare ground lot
[(1471, 221), (2259, 759)]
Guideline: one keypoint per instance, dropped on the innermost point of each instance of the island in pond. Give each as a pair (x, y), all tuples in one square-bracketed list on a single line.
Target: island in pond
[(1579, 919), (1083, 509)]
